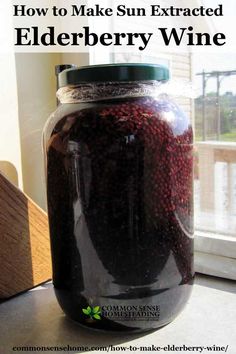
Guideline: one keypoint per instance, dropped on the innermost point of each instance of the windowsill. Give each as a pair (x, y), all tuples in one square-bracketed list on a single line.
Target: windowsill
[(35, 319), (215, 254)]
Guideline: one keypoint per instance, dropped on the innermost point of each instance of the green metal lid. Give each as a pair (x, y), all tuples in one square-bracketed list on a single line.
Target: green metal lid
[(112, 73)]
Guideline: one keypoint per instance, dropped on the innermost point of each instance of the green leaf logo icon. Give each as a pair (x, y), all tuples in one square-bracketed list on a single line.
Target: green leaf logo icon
[(93, 312)]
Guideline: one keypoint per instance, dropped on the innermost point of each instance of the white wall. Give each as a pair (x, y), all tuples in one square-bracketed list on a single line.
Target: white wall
[(9, 132), (36, 100), (10, 154)]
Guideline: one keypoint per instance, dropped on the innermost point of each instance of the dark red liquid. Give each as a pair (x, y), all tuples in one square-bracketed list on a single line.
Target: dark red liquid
[(120, 208)]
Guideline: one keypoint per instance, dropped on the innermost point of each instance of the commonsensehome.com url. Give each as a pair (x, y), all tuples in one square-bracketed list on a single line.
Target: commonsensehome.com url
[(129, 349)]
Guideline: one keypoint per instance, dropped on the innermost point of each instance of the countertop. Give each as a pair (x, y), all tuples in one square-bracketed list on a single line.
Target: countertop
[(34, 319)]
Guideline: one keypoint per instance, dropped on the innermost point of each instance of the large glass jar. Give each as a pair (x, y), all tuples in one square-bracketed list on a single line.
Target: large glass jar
[(120, 198)]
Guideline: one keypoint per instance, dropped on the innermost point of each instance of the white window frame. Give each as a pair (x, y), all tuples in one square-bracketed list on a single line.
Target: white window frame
[(215, 254)]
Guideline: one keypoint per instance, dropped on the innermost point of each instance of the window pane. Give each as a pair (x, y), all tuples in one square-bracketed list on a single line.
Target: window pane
[(215, 132)]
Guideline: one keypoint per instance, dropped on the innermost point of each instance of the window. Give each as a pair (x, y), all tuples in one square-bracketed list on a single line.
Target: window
[(215, 170)]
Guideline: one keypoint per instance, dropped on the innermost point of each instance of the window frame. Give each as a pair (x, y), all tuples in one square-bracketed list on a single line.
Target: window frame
[(215, 254)]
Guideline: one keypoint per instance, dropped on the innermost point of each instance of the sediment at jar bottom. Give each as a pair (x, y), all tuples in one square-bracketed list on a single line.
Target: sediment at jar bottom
[(120, 210)]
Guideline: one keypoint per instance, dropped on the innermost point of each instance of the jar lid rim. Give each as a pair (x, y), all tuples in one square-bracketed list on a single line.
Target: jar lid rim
[(129, 72)]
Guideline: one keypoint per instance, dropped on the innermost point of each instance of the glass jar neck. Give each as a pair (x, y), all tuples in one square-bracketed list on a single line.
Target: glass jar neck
[(107, 90)]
